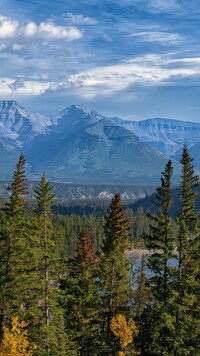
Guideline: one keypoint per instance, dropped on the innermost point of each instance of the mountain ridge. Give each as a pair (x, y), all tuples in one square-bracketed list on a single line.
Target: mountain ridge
[(81, 145)]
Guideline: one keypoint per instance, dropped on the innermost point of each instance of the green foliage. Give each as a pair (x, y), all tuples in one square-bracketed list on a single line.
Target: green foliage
[(170, 321), (82, 298), (18, 188), (114, 264), (70, 285), (160, 241), (51, 336), (15, 250), (188, 244)]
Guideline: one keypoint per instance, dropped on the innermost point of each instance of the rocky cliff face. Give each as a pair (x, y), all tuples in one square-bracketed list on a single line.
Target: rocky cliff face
[(167, 135)]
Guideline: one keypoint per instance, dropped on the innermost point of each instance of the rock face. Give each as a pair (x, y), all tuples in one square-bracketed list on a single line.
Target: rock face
[(80, 145), (167, 135)]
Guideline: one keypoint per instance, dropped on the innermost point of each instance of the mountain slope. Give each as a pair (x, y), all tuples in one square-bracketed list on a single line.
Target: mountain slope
[(167, 135), (95, 151)]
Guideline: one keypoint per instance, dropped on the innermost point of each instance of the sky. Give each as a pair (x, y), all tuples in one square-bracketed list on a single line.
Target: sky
[(135, 59)]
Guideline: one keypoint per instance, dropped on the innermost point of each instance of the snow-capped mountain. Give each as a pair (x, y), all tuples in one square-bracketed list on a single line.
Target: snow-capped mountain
[(167, 135), (87, 148), (18, 126), (74, 118), (80, 145)]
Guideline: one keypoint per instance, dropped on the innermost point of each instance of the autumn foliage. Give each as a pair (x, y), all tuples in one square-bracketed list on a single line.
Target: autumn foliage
[(124, 330), (15, 340)]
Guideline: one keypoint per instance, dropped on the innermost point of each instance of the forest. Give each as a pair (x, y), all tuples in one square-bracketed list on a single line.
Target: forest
[(109, 281)]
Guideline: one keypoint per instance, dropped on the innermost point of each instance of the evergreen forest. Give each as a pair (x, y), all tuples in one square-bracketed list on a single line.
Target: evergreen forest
[(104, 282)]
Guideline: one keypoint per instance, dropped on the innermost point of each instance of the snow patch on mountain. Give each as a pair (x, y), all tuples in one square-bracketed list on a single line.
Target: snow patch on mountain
[(17, 124)]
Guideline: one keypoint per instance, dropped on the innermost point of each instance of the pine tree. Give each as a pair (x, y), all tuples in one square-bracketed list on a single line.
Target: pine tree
[(51, 337), (158, 317), (187, 324), (82, 301), (44, 200), (115, 266), (18, 189), (160, 240), (15, 251)]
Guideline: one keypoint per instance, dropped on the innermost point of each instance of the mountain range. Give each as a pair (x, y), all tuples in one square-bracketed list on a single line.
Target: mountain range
[(81, 146)]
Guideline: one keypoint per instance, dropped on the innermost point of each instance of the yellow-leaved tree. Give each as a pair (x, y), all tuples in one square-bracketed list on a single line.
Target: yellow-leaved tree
[(15, 340), (124, 330)]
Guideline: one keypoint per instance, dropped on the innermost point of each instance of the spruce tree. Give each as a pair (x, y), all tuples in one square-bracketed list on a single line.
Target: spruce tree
[(51, 338), (188, 241), (15, 251), (82, 298), (44, 200), (115, 266), (160, 240), (158, 319)]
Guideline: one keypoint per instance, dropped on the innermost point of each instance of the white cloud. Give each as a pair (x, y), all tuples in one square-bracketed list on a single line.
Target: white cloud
[(106, 80), (48, 30), (147, 70), (80, 19), (8, 27), (29, 30), (5, 89), (11, 29), (32, 88), (164, 38)]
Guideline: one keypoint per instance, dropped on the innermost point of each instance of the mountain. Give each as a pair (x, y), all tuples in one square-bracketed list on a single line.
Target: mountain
[(166, 135), (82, 146), (18, 126)]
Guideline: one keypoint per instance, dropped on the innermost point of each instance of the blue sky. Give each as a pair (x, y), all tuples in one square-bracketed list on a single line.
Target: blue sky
[(134, 59)]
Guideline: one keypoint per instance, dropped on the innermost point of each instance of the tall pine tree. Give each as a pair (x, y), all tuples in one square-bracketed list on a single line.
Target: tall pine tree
[(15, 251), (188, 241), (51, 337), (158, 333), (115, 266), (82, 298)]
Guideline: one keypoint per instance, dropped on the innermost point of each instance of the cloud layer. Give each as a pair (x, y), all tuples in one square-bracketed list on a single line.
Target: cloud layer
[(101, 52), (149, 70), (11, 29)]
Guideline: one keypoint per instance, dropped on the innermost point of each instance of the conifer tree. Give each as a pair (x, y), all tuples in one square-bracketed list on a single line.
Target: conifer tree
[(187, 324), (115, 266), (51, 337), (82, 301), (44, 200), (160, 240), (18, 189), (15, 249), (158, 316)]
